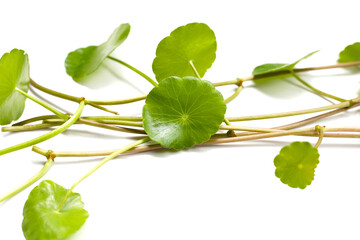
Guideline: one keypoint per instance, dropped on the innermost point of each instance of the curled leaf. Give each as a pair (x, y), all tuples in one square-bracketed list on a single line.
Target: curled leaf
[(350, 54), (84, 61), (182, 112), (193, 42), (278, 67), (42, 219), (296, 163), (14, 73)]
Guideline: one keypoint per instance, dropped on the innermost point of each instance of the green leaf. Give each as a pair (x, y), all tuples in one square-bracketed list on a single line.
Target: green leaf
[(296, 163), (350, 54), (14, 73), (182, 112), (42, 220), (194, 42), (278, 67), (84, 61)]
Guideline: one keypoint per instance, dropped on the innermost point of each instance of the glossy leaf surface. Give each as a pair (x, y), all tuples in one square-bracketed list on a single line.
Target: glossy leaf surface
[(84, 61), (296, 163), (278, 67), (182, 112), (194, 42), (350, 54), (14, 73), (42, 220)]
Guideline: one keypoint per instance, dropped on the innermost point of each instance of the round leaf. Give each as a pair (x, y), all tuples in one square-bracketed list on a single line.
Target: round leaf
[(42, 220), (194, 42), (182, 112), (14, 73), (350, 54), (296, 163), (84, 61)]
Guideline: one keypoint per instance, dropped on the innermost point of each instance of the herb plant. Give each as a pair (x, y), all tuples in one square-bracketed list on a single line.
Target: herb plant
[(181, 111)]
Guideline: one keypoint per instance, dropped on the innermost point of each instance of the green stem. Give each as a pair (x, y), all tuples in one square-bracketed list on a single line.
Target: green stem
[(29, 182), (340, 107), (56, 122), (251, 129), (118, 102), (111, 127), (268, 133), (116, 122), (306, 131), (93, 103), (294, 113), (194, 69), (120, 118), (45, 105), (121, 122), (234, 95), (68, 97), (317, 90), (30, 127), (226, 121), (101, 108), (48, 135), (96, 118), (320, 130), (35, 119), (105, 160), (135, 70)]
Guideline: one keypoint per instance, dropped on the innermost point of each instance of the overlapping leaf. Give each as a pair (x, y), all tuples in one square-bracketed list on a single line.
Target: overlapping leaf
[(14, 73), (43, 220), (296, 163), (350, 54), (278, 67), (182, 112), (84, 61), (193, 42)]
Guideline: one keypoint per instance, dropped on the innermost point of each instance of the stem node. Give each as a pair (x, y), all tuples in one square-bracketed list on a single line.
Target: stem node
[(50, 155), (239, 81), (231, 133)]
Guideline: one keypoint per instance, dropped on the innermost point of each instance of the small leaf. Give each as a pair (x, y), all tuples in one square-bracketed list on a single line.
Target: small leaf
[(350, 54), (84, 61), (278, 67), (14, 73), (182, 112), (296, 163), (194, 42), (42, 220)]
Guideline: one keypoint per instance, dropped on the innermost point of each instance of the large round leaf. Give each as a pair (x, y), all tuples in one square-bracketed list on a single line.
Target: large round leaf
[(182, 112), (84, 61), (14, 73), (43, 220), (296, 163), (194, 42)]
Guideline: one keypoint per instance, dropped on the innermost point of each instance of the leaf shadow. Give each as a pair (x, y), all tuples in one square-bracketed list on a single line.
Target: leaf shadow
[(271, 86), (97, 80), (78, 234), (276, 87), (119, 76)]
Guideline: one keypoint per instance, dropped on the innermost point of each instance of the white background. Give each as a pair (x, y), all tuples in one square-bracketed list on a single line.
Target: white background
[(219, 192)]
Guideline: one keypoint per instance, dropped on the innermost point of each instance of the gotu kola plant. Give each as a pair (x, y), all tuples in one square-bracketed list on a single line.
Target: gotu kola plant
[(174, 116), (181, 111)]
